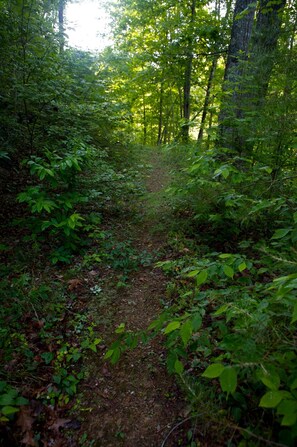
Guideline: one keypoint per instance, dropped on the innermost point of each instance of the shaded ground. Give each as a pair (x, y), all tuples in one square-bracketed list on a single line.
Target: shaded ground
[(135, 402)]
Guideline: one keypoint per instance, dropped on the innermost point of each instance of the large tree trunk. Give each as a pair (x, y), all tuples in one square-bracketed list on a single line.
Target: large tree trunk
[(231, 108), (264, 43)]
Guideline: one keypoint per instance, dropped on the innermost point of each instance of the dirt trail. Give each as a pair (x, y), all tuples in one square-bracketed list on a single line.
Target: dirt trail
[(136, 402)]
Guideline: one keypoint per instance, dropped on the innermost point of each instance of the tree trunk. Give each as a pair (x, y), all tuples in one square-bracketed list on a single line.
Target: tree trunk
[(160, 122), (207, 98), (264, 43), (188, 78), (61, 25), (231, 108)]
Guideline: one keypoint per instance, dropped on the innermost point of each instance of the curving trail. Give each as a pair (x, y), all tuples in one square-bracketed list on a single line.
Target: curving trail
[(135, 402)]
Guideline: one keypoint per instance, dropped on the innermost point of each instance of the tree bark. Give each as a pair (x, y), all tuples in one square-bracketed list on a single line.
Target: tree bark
[(207, 98), (264, 44), (188, 78), (61, 25), (231, 108)]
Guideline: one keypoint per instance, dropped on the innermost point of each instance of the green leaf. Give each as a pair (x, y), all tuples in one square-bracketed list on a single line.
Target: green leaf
[(271, 380), (289, 419), (222, 309), (294, 314), (271, 399), (9, 410), (21, 401), (186, 332), (178, 367), (228, 380), (242, 267), (196, 322), (213, 371), (282, 232), (120, 329), (225, 255), (116, 355), (228, 271), (108, 354), (172, 327), (47, 357), (193, 273), (202, 277), (8, 398), (295, 217)]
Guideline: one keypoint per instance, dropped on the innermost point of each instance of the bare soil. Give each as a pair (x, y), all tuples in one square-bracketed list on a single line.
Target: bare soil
[(135, 402)]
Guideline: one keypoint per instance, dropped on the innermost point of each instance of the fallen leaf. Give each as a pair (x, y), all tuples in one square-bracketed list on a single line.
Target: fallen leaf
[(74, 284), (28, 439), (59, 423), (25, 420)]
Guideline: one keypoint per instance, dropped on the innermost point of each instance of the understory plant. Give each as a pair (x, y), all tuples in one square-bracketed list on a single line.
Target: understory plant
[(54, 199)]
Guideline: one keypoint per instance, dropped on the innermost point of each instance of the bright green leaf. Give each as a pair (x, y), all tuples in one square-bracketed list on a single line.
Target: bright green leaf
[(271, 380), (228, 380), (120, 329), (178, 367), (186, 332), (202, 277), (242, 267), (213, 371), (172, 327), (9, 410), (228, 271), (193, 273), (271, 399)]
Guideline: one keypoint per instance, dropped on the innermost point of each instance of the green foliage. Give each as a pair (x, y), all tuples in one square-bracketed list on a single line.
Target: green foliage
[(10, 401)]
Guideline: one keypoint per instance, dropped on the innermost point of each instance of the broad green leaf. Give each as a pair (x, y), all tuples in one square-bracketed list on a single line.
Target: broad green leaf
[(196, 322), (289, 419), (213, 371), (172, 327), (228, 271), (287, 406), (294, 384), (282, 232), (8, 398), (271, 399), (228, 380), (242, 267), (186, 332), (225, 255), (295, 217), (178, 367), (193, 273), (271, 380), (202, 277), (9, 410), (294, 315), (115, 355)]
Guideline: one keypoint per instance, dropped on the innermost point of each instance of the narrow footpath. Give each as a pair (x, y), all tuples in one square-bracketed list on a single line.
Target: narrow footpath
[(135, 402)]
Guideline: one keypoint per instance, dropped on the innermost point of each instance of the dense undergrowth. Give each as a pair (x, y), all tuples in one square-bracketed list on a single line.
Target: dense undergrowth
[(64, 232), (229, 320)]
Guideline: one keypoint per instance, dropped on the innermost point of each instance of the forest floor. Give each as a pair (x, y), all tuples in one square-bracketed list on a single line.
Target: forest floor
[(135, 402)]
